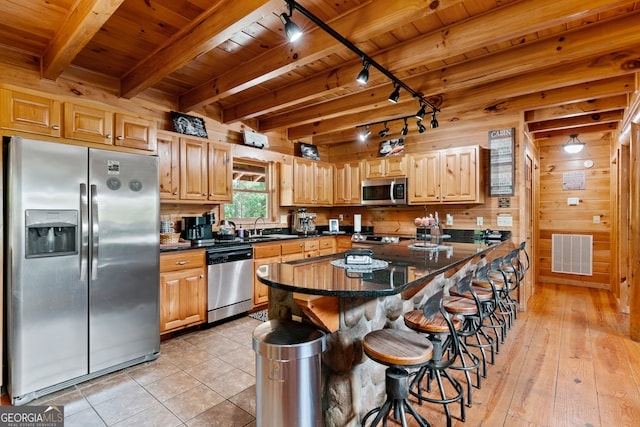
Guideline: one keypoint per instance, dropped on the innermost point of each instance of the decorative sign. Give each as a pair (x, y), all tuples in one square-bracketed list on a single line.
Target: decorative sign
[(573, 180), (188, 125), (501, 162), (392, 147), (309, 151), (255, 139), (504, 202)]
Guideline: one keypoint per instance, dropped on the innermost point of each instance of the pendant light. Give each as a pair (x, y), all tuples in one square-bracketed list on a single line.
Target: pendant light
[(574, 145)]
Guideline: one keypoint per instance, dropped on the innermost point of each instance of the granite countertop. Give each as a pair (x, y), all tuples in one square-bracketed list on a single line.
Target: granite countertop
[(406, 267)]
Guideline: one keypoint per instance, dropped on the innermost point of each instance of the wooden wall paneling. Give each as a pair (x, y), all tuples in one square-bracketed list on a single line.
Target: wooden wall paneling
[(621, 237), (634, 264)]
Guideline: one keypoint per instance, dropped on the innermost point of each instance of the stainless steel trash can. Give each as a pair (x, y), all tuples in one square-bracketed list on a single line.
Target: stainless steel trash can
[(288, 374)]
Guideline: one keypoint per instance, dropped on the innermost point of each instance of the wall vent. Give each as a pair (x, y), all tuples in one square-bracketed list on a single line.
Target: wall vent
[(572, 254)]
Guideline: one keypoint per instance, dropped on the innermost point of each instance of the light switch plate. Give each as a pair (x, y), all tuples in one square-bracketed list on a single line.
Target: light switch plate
[(573, 201), (449, 219), (505, 221), (479, 220), (596, 219)]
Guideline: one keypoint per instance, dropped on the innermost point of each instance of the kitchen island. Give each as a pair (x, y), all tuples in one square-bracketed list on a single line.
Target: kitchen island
[(347, 304)]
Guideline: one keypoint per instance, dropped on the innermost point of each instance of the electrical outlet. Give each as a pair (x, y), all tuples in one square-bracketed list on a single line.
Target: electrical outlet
[(449, 219), (479, 220), (283, 219), (340, 217), (596, 219)]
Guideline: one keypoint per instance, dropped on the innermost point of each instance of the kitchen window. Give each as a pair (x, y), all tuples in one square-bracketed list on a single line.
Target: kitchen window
[(251, 191)]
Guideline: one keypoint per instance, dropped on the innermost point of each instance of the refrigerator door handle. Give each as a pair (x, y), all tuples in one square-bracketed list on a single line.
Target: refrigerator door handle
[(84, 231), (95, 233)]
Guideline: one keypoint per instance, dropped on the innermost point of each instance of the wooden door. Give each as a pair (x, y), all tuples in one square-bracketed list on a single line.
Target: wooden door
[(623, 229), (88, 124), (169, 165), (183, 299), (30, 113), (194, 179), (374, 168), (135, 132), (396, 166), (303, 182), (220, 172), (346, 189)]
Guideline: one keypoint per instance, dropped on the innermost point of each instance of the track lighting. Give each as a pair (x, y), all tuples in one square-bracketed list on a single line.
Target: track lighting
[(421, 127), (434, 122), (395, 95), (405, 129), (423, 110), (365, 134), (363, 75), (384, 131), (291, 29), (574, 145)]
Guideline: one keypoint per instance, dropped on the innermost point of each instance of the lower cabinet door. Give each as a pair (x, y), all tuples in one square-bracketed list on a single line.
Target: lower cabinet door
[(183, 299)]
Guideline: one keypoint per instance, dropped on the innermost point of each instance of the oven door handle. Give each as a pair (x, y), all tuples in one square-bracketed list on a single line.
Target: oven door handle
[(391, 190)]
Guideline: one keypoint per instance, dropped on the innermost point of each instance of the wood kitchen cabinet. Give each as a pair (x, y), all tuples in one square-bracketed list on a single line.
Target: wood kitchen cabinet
[(194, 170), (183, 290), (347, 184), (263, 254), (385, 167), (306, 182), (135, 132), (31, 113), (446, 176)]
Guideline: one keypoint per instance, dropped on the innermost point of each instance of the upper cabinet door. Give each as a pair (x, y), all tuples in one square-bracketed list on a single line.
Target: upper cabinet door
[(135, 132), (424, 179), (193, 169), (88, 123), (30, 113), (169, 159), (460, 175), (220, 172)]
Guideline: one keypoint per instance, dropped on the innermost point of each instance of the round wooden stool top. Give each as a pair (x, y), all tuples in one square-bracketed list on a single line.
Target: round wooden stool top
[(415, 320), (395, 347), (460, 305)]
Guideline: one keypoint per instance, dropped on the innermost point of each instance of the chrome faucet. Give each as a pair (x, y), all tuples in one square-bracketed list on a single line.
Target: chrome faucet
[(255, 232)]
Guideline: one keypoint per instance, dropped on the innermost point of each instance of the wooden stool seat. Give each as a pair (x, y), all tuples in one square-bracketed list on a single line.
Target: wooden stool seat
[(483, 294), (460, 305), (394, 347), (498, 284), (416, 320)]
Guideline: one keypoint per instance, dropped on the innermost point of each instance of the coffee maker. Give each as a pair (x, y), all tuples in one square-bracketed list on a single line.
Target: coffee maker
[(198, 227)]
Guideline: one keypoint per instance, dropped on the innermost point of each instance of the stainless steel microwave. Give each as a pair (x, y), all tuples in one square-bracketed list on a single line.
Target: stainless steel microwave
[(384, 191)]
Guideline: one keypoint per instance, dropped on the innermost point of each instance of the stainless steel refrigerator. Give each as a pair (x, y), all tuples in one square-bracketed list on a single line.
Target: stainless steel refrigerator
[(82, 263)]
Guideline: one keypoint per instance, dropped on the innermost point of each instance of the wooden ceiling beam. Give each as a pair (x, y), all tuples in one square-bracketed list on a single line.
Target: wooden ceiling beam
[(507, 96), (215, 26), (358, 25), (576, 122), (603, 127), (572, 109), (523, 18), (82, 22), (541, 55)]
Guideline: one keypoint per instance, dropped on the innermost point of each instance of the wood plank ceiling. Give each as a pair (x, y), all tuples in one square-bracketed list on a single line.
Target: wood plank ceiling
[(569, 65)]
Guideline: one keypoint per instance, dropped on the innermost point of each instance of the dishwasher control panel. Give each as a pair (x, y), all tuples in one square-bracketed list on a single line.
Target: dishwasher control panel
[(229, 254)]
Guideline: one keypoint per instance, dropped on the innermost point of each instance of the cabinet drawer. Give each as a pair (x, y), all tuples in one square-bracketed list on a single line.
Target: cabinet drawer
[(311, 245), (266, 250), (182, 260), (292, 247), (327, 243)]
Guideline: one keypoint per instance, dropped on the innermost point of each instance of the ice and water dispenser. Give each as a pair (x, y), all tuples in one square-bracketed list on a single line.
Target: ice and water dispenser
[(51, 233)]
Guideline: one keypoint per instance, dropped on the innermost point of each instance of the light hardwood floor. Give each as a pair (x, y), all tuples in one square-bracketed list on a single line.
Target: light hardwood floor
[(567, 361)]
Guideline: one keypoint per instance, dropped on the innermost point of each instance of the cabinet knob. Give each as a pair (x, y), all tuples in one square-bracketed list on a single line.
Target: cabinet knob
[(210, 194), (55, 127), (175, 193), (182, 262), (204, 194), (119, 137)]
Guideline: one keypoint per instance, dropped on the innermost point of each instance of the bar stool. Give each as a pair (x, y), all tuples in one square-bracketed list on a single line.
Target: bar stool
[(470, 311), (498, 282), (441, 330), (511, 268), (399, 350)]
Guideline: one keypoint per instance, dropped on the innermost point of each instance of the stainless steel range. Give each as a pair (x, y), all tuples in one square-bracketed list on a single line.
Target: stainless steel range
[(230, 281)]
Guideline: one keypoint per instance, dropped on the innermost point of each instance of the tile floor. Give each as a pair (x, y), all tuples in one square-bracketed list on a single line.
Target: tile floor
[(202, 378)]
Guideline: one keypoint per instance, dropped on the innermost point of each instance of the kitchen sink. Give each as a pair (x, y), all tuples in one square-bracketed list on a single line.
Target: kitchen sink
[(268, 237)]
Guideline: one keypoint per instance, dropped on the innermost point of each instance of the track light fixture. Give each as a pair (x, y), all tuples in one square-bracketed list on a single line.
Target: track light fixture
[(365, 133), (291, 29), (421, 127), (363, 75), (423, 110), (405, 129), (434, 122), (395, 95), (384, 131), (367, 62)]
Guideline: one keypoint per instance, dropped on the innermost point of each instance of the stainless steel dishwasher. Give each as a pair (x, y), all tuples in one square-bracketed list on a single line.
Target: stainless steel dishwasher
[(230, 281)]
